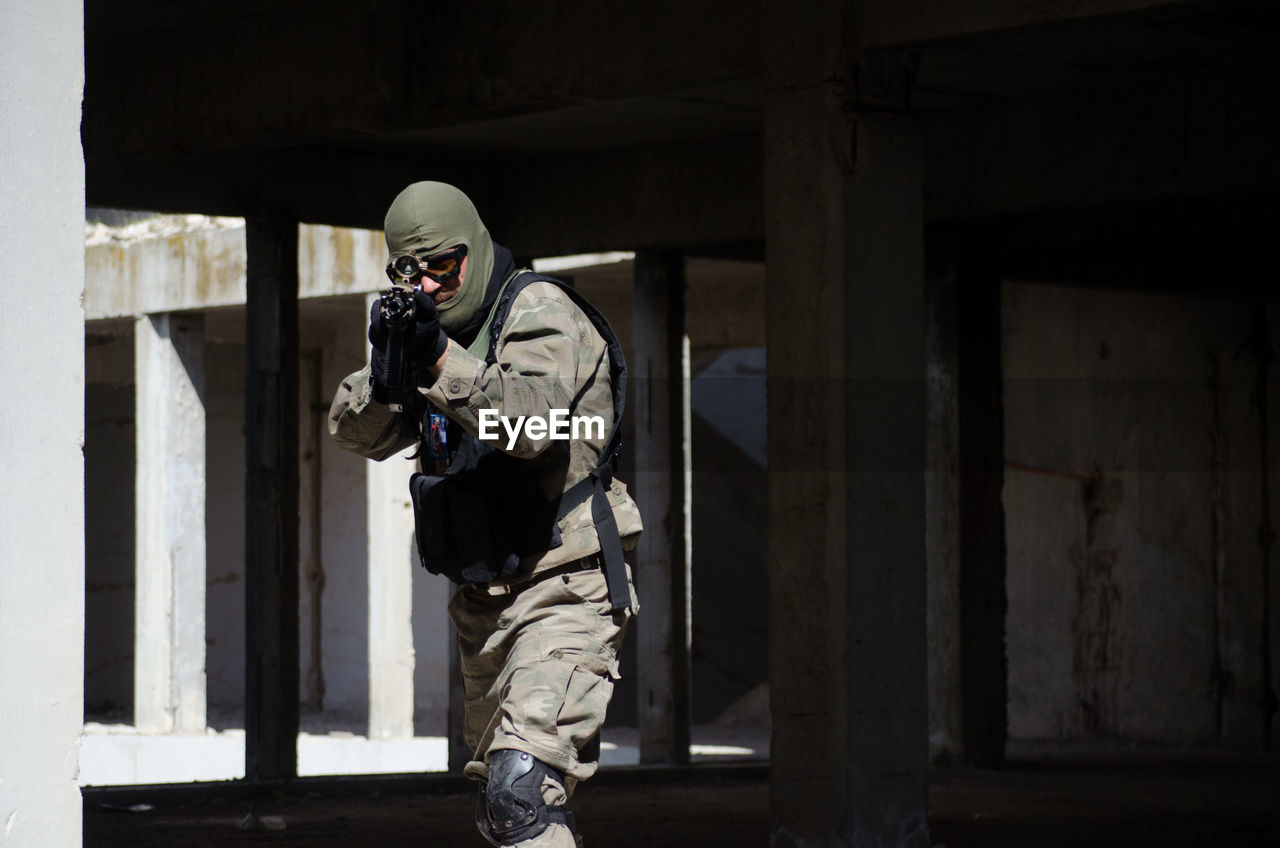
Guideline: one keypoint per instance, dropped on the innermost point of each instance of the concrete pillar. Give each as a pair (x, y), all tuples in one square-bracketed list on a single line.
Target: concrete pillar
[(942, 506), (391, 564), (660, 368), (169, 649), (846, 445), (313, 412), (271, 499), (42, 352)]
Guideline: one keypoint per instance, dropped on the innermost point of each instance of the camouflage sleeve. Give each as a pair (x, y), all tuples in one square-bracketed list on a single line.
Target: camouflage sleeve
[(545, 356), (365, 427)]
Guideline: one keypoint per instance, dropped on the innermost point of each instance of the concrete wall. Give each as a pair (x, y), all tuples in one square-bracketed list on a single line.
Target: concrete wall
[(42, 355), (1133, 496)]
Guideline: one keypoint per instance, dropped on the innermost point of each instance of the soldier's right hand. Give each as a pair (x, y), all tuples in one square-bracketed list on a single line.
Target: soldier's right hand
[(424, 341)]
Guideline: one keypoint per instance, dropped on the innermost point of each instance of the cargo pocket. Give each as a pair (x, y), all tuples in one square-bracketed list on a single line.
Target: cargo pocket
[(587, 692), (588, 588)]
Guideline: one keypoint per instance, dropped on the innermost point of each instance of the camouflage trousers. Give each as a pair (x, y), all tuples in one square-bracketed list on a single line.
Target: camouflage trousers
[(538, 667)]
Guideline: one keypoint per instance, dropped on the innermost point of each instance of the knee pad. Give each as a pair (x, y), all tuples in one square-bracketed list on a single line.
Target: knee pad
[(510, 808)]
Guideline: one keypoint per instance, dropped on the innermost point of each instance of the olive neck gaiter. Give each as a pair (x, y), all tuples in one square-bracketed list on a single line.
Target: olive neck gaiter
[(428, 217)]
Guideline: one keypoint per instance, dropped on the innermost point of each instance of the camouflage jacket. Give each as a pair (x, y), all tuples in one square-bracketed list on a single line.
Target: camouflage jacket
[(549, 357)]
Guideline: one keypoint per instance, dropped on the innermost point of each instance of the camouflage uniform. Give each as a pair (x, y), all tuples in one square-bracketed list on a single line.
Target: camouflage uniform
[(539, 656)]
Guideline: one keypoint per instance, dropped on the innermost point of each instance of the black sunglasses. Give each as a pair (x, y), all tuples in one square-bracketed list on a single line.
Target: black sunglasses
[(441, 267)]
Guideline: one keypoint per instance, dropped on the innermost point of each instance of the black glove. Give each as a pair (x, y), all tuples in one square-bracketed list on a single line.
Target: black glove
[(423, 341)]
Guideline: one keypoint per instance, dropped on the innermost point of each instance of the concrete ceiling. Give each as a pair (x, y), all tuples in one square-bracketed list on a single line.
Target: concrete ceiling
[(233, 106), (1096, 55)]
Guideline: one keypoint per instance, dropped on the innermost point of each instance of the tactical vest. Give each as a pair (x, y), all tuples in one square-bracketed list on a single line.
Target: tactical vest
[(485, 513)]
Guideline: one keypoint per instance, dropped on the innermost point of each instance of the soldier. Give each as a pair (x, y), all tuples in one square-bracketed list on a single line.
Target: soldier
[(531, 525)]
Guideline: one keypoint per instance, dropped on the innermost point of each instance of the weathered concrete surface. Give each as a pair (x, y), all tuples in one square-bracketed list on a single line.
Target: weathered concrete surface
[(391, 566), (942, 514), (808, 558), (271, 498), (662, 489), (332, 336), (169, 666), (1137, 571), (846, 449), (177, 262), (337, 329), (42, 435)]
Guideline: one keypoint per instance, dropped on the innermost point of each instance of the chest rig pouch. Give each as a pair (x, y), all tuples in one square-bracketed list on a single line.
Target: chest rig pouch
[(479, 520)]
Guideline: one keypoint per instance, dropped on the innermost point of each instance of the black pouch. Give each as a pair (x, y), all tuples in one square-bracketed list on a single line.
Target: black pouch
[(476, 522)]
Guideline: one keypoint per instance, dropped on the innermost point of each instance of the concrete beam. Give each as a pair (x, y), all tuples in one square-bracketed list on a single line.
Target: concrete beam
[(271, 500), (678, 195), (663, 485), (355, 191), (169, 651), (892, 23), (1176, 135), (687, 194), (183, 263), (42, 509)]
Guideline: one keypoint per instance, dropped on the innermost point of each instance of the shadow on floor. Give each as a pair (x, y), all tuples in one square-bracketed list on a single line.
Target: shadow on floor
[(1032, 804)]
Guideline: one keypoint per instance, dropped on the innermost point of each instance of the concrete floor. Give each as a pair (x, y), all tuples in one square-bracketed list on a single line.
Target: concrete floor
[(1106, 799), (117, 754)]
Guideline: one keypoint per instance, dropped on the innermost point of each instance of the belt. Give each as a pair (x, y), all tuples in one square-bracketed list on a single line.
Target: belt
[(586, 563)]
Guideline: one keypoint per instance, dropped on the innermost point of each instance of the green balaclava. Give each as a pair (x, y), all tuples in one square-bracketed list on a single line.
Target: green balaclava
[(428, 217)]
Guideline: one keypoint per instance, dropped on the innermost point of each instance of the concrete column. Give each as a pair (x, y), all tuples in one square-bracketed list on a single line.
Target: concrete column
[(42, 351), (846, 446), (942, 506), (271, 499), (169, 649), (660, 369), (391, 564), (313, 412)]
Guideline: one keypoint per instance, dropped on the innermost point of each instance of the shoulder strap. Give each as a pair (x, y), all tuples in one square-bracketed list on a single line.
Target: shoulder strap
[(596, 484), (617, 361)]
